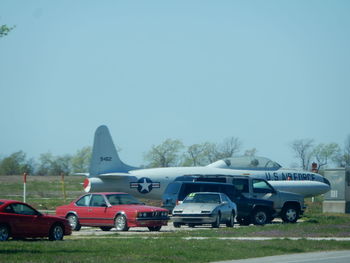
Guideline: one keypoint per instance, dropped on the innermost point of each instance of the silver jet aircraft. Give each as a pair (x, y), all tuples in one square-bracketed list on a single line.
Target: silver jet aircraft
[(109, 173)]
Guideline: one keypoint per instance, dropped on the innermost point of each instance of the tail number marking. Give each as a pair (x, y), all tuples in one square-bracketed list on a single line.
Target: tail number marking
[(105, 159)]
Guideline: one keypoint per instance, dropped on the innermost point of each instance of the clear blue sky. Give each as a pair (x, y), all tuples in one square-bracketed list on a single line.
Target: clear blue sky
[(268, 72)]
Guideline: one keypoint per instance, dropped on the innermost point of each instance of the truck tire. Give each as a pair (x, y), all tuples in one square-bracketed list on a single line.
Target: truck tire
[(290, 214), (260, 217), (244, 221), (177, 225)]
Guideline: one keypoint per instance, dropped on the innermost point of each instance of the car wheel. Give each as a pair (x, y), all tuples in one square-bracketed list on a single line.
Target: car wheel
[(154, 228), (231, 221), (290, 214), (74, 222), (216, 224), (244, 221), (105, 228), (56, 233), (4, 233), (177, 225), (121, 223), (260, 217)]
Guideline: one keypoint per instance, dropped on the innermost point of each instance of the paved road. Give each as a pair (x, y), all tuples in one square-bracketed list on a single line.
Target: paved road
[(135, 230), (144, 230), (314, 257)]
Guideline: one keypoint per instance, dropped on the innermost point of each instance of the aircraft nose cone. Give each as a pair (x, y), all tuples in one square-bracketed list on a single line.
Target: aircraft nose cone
[(87, 185), (322, 188)]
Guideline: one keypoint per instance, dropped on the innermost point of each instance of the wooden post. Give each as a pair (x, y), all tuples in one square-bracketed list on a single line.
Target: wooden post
[(63, 187)]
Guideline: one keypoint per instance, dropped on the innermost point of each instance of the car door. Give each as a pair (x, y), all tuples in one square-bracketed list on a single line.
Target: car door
[(27, 221), (99, 212), (263, 190), (242, 186), (226, 208), (81, 209)]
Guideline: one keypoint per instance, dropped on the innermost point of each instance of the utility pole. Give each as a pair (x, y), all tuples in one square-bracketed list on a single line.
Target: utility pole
[(24, 186)]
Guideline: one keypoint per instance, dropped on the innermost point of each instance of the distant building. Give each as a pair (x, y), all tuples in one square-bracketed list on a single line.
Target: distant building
[(337, 200)]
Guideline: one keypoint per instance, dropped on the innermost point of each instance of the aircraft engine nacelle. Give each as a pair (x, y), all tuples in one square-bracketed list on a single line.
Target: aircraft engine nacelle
[(95, 184)]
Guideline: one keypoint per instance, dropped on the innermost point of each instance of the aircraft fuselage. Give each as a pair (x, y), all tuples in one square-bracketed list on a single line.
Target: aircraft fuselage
[(151, 183)]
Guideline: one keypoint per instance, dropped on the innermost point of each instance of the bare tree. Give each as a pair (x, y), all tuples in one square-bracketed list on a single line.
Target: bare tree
[(302, 149), (343, 157), (347, 151), (229, 147), (211, 152), (251, 152), (325, 152), (195, 155)]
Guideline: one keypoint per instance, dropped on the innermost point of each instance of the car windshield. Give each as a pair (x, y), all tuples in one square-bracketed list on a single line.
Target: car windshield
[(202, 198), (122, 199)]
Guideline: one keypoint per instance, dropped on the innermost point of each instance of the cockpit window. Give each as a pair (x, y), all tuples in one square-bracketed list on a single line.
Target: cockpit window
[(251, 163)]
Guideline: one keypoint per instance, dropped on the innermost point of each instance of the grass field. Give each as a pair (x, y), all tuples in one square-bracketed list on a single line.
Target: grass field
[(154, 250), (46, 192)]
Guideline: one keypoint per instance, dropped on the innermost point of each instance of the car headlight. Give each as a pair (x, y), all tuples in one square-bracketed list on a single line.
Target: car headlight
[(142, 214), (164, 213)]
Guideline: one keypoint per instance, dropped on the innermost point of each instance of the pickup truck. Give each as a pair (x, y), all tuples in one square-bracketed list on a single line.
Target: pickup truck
[(288, 206)]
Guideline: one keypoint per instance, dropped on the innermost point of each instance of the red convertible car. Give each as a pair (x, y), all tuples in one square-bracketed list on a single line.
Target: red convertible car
[(20, 220), (108, 210)]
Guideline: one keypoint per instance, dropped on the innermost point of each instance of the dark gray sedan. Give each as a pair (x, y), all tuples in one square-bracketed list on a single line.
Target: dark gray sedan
[(205, 208)]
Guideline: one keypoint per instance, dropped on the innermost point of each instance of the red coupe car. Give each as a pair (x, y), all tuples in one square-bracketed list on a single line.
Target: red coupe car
[(20, 220), (108, 210)]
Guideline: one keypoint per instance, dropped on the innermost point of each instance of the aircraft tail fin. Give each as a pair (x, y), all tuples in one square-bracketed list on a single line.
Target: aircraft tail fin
[(105, 158)]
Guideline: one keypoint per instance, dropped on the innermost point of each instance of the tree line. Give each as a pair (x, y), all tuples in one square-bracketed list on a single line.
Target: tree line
[(173, 152)]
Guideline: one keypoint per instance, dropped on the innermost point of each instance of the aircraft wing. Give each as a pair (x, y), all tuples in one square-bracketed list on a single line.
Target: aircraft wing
[(85, 174), (115, 175), (107, 175)]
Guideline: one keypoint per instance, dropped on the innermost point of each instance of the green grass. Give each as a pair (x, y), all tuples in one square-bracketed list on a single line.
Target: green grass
[(314, 225), (43, 192), (155, 250)]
